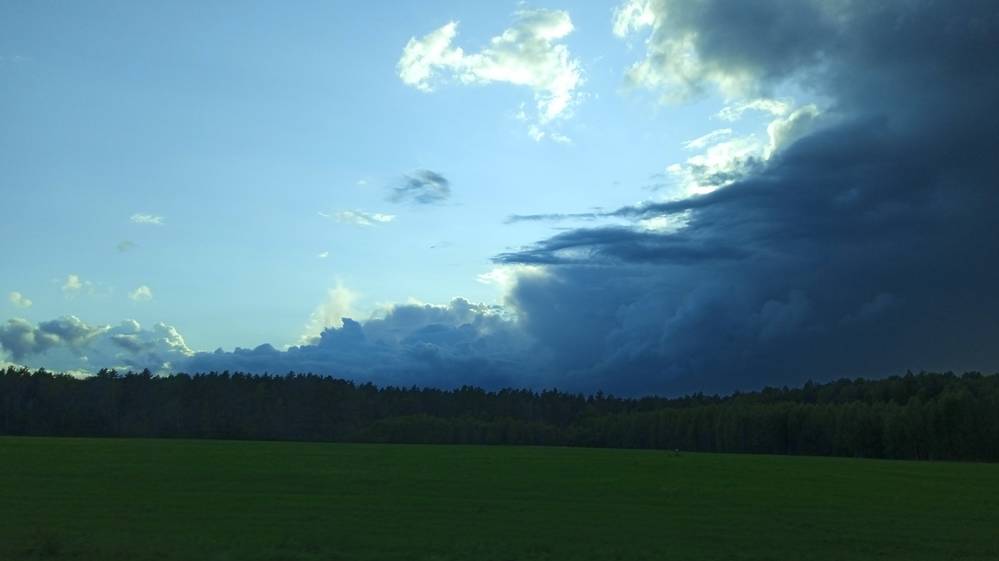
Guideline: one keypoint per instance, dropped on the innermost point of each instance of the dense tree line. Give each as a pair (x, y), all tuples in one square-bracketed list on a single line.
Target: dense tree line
[(925, 416)]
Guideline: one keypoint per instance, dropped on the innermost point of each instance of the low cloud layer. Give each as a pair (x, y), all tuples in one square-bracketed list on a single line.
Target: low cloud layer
[(413, 344)]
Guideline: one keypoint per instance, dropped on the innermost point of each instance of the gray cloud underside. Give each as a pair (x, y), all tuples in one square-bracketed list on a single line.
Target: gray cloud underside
[(422, 187)]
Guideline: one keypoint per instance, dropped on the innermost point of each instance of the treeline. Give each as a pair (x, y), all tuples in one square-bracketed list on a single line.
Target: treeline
[(925, 416)]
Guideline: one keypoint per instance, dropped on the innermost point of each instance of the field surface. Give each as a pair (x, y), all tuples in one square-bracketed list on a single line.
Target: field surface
[(220, 500)]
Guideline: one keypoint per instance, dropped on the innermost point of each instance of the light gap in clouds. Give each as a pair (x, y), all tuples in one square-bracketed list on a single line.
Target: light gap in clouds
[(338, 304)]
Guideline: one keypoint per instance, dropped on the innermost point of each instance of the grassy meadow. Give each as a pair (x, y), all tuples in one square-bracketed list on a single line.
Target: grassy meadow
[(110, 499)]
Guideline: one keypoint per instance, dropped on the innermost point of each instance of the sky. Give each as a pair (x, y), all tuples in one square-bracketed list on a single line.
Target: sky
[(635, 196)]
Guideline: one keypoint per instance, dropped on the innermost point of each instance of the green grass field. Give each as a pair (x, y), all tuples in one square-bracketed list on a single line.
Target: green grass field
[(220, 500)]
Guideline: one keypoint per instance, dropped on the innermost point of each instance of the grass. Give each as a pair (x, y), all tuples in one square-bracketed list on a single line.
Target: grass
[(219, 500)]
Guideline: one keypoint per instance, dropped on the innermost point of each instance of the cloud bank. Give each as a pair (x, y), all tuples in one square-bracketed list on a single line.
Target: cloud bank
[(452, 345)]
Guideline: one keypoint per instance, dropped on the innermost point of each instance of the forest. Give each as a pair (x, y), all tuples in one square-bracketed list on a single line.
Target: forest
[(925, 416)]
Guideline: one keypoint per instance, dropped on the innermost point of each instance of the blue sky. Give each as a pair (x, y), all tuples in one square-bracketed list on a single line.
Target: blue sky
[(237, 124), (641, 195)]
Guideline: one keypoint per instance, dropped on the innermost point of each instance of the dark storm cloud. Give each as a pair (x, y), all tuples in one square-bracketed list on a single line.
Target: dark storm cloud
[(423, 187), (864, 248)]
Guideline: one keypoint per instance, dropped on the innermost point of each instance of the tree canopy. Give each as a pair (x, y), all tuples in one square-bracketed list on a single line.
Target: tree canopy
[(929, 416)]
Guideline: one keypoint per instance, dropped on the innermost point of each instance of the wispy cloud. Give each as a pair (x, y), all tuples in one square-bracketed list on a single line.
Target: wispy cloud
[(142, 218), (706, 140), (13, 59), (555, 217), (775, 107), (359, 217)]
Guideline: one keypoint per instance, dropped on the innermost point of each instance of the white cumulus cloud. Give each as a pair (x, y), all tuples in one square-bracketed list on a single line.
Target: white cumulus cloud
[(73, 285), (19, 300), (528, 54), (141, 294)]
